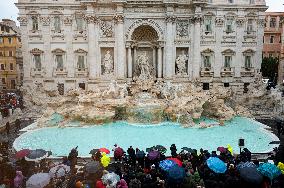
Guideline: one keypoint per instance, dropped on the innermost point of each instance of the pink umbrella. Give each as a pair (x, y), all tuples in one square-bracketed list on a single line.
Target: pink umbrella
[(22, 153), (118, 152)]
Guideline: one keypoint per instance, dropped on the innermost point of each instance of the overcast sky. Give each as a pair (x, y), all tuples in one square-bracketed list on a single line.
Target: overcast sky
[(9, 10)]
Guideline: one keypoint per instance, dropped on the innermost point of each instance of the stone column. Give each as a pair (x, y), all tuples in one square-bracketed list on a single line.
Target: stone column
[(196, 50), (259, 33), (120, 48), (238, 62), (70, 64), (129, 70), (154, 59), (169, 62), (25, 50), (92, 40), (160, 67)]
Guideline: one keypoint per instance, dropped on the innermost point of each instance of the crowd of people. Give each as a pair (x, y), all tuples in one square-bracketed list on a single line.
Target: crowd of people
[(9, 102), (135, 168)]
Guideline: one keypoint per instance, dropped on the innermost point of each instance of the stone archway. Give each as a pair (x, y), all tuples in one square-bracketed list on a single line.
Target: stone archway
[(144, 43)]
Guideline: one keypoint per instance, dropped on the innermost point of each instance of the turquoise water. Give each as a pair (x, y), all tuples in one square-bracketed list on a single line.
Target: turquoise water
[(61, 140)]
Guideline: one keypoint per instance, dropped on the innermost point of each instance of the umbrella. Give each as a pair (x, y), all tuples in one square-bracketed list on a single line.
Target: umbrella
[(37, 155), (59, 171), (154, 155), (189, 150), (176, 174), (222, 149), (246, 164), (216, 165), (166, 164), (251, 175), (150, 149), (110, 179), (118, 152), (140, 154), (94, 167), (94, 151), (22, 153), (176, 160), (105, 150), (39, 180), (269, 170), (161, 148)]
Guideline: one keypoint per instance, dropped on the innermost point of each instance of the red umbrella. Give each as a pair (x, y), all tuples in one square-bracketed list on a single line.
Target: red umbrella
[(222, 149), (176, 160), (105, 150), (22, 153)]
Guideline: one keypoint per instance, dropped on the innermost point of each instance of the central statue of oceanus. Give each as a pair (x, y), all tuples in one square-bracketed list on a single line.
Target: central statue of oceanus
[(144, 65)]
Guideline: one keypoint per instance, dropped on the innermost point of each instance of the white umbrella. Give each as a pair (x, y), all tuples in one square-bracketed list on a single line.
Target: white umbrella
[(59, 171), (39, 180)]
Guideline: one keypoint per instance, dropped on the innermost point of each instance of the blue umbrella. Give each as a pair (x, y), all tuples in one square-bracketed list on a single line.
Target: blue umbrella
[(166, 164), (176, 174), (251, 175), (216, 165), (269, 170), (140, 154)]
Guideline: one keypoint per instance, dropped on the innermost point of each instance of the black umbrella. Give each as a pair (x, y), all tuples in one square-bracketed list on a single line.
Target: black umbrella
[(94, 167), (189, 150), (140, 154), (94, 151), (37, 155), (251, 175), (161, 148)]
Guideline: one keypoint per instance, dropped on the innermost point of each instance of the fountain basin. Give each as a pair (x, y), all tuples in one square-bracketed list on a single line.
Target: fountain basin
[(61, 140)]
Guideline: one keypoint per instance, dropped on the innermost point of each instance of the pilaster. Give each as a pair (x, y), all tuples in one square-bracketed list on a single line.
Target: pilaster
[(169, 59)]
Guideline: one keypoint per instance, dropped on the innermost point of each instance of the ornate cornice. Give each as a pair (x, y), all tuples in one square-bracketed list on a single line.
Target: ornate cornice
[(68, 20), (119, 18), (91, 19), (170, 18), (45, 20), (219, 21)]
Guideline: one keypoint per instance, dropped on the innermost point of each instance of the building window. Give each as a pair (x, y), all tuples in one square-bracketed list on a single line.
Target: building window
[(37, 61), (229, 25), (35, 23), (81, 63), (228, 61), (226, 84), (231, 1), (1, 54), (271, 39), (79, 23), (82, 86), (208, 24), (10, 53), (207, 61), (272, 22), (1, 40), (13, 84), (57, 24), (2, 66), (2, 28), (10, 40), (251, 1), (59, 62), (60, 89), (3, 81), (250, 25), (246, 87), (206, 86), (248, 62), (11, 66)]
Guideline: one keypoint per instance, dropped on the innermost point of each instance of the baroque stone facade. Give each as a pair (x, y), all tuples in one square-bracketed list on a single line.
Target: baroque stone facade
[(87, 43)]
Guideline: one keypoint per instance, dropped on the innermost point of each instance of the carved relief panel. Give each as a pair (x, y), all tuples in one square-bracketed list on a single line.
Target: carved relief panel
[(107, 61), (182, 29), (106, 28)]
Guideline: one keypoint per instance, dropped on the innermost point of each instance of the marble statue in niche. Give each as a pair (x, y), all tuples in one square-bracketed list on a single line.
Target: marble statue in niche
[(181, 62), (108, 63), (144, 65)]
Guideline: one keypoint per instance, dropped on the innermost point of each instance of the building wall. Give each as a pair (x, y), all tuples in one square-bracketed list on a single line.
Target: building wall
[(9, 43), (119, 26)]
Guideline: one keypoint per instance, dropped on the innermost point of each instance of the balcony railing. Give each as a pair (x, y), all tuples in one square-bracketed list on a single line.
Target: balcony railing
[(37, 72), (59, 71), (206, 72), (247, 71), (227, 71), (81, 72)]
